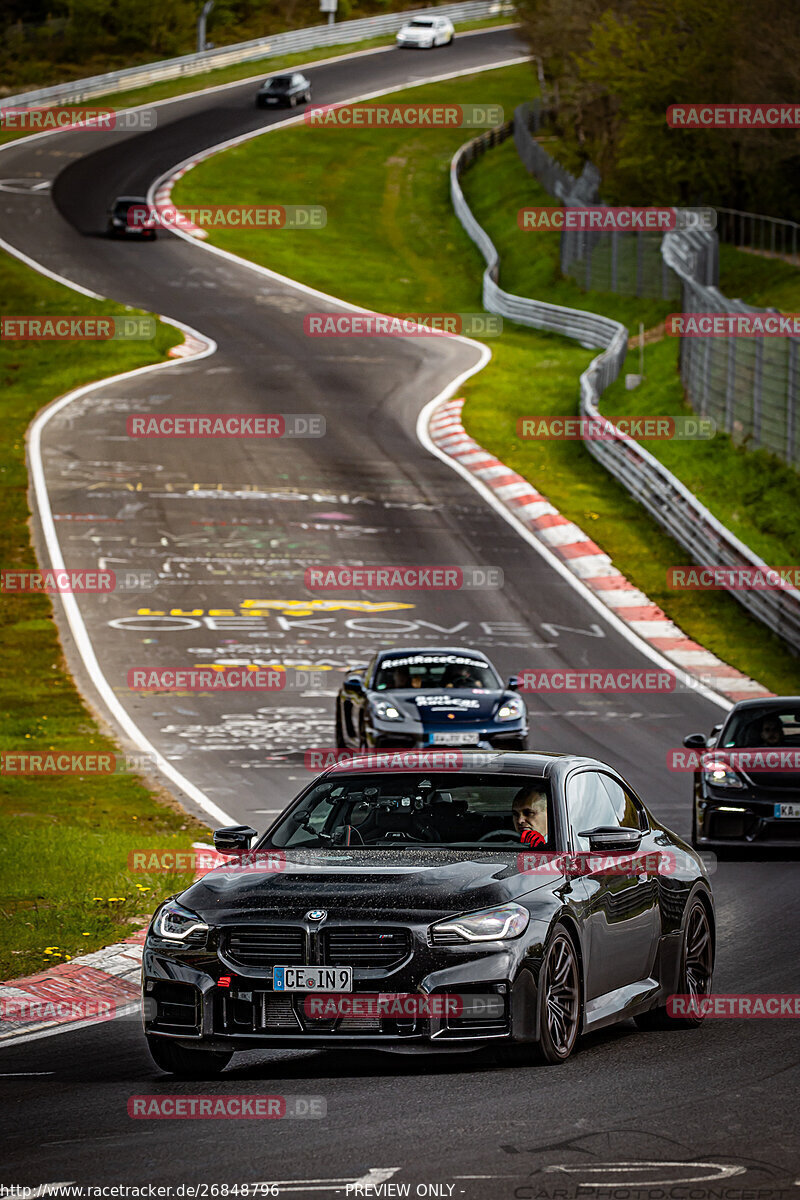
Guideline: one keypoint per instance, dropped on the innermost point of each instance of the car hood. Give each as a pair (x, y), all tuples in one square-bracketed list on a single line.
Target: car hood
[(435, 706), (393, 884)]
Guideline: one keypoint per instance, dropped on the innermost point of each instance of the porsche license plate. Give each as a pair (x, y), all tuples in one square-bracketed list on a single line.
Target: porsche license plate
[(790, 811), (455, 739), (312, 979)]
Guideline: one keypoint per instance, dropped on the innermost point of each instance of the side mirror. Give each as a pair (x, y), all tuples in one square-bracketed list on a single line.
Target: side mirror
[(513, 682), (234, 838), (354, 684), (695, 741), (610, 837)]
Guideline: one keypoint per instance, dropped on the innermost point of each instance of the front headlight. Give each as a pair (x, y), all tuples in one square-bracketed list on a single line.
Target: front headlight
[(488, 925), (176, 923), (720, 774), (386, 711), (510, 710)]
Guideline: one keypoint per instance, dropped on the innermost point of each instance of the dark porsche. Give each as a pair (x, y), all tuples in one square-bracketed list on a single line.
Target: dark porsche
[(415, 698), (747, 787), (411, 879)]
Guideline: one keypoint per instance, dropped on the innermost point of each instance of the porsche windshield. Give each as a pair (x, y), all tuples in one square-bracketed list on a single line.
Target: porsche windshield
[(435, 671), (393, 809), (767, 726)]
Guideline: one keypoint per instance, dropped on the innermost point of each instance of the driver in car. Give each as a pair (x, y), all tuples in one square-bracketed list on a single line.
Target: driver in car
[(462, 676), (529, 813)]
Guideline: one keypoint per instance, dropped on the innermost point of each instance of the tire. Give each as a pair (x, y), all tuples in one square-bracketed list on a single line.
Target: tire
[(697, 966), (308, 96), (340, 743), (293, 102), (559, 999), (187, 1064)]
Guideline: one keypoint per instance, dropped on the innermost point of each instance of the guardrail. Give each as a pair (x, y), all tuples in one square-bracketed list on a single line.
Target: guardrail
[(667, 500), (766, 235), (280, 43)]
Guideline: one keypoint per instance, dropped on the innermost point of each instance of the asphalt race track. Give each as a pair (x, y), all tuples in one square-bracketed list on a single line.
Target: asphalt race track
[(229, 527)]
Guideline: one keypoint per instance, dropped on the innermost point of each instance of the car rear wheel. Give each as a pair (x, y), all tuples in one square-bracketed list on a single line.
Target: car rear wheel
[(187, 1063), (697, 967)]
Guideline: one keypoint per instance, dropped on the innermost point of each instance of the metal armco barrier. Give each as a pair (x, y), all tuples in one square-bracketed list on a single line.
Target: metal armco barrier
[(672, 505), (280, 43)]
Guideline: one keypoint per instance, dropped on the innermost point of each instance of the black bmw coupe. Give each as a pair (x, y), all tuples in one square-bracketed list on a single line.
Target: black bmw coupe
[(401, 905)]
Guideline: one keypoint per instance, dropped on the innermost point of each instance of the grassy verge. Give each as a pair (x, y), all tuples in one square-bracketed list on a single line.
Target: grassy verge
[(403, 217), (64, 841), (258, 67)]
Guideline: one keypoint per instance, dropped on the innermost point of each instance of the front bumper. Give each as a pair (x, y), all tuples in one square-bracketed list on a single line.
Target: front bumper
[(396, 735), (745, 820), (184, 1002)]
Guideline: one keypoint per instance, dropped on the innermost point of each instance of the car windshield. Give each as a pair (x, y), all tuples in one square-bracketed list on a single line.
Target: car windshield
[(767, 726), (121, 207), (420, 24), (435, 671), (280, 83), (390, 809)]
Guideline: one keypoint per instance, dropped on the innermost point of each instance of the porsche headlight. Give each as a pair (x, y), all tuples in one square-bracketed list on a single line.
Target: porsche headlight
[(177, 923), (488, 925), (386, 711), (510, 710), (720, 774)]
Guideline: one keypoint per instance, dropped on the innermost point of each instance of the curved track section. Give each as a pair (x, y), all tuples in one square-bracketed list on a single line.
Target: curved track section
[(230, 528)]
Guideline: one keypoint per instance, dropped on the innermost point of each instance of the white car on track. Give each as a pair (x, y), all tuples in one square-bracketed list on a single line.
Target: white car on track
[(426, 32)]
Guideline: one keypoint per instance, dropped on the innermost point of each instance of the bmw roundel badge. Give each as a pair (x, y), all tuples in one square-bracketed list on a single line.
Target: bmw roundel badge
[(316, 914)]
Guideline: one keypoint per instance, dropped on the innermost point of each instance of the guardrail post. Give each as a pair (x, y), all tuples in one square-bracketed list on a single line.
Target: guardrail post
[(758, 372), (791, 400), (730, 385)]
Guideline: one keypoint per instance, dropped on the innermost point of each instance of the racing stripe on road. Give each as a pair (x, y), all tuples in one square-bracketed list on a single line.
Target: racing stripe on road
[(585, 559), (164, 197), (87, 989)]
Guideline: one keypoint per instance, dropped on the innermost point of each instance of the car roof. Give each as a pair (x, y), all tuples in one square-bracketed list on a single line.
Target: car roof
[(767, 702), (537, 763), (402, 651)]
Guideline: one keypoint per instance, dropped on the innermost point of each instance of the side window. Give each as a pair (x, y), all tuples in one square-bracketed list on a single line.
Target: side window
[(628, 810), (589, 805)]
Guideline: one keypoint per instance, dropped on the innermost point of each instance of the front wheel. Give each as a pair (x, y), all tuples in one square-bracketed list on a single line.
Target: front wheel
[(559, 999), (187, 1063), (697, 968)]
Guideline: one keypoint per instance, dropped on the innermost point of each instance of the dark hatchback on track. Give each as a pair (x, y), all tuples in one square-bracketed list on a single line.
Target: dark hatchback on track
[(284, 91), (747, 787), (415, 698), (410, 879)]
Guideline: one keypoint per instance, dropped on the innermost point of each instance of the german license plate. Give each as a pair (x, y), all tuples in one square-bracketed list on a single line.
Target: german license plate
[(787, 810), (455, 739), (312, 979)]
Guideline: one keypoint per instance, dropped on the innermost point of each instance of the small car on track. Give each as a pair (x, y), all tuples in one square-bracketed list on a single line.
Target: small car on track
[(121, 222), (284, 91), (395, 905), (450, 696), (425, 32), (747, 781)]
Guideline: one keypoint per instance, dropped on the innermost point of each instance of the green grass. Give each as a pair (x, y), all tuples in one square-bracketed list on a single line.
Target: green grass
[(403, 218), (258, 67), (64, 841)]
